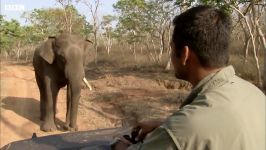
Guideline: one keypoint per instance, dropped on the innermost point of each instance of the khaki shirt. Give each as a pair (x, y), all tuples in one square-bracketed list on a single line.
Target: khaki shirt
[(223, 112)]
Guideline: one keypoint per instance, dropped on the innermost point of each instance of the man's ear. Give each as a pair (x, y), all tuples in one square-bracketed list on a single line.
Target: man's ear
[(46, 50), (185, 55)]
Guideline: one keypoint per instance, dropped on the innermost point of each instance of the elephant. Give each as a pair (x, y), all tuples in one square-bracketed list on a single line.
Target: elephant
[(59, 62)]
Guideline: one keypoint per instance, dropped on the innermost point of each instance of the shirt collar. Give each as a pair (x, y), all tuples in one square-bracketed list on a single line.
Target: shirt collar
[(212, 80)]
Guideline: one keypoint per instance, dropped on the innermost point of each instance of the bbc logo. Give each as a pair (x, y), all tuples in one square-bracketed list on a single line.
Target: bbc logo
[(14, 7)]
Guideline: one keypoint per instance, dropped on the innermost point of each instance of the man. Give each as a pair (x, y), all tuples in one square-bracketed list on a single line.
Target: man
[(223, 111)]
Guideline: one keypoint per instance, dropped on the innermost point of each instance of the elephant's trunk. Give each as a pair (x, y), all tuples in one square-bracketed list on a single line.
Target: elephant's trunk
[(87, 83)]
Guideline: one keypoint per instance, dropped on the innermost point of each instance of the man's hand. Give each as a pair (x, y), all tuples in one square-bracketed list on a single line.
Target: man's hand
[(143, 128), (121, 144)]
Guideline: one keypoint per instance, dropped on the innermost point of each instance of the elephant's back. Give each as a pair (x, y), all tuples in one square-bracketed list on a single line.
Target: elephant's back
[(69, 39)]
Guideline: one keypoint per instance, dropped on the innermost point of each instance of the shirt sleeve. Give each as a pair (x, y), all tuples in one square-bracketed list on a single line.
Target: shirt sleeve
[(159, 139)]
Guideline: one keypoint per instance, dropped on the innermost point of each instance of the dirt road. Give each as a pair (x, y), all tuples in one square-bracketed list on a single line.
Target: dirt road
[(115, 101)]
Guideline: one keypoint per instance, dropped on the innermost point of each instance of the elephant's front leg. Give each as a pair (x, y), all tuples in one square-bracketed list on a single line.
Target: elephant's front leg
[(41, 86), (67, 124), (51, 90), (73, 96)]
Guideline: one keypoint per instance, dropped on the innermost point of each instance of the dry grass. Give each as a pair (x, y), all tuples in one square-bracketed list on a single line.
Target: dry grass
[(248, 70), (123, 57)]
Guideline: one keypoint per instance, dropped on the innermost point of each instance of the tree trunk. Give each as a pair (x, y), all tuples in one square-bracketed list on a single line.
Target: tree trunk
[(95, 46), (26, 55), (169, 37), (161, 45), (109, 43), (253, 43), (94, 12), (246, 49), (256, 26), (134, 51), (153, 45), (168, 65), (18, 53), (262, 37)]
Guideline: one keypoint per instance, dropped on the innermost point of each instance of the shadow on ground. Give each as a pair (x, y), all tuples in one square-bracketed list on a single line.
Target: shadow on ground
[(25, 107), (28, 108)]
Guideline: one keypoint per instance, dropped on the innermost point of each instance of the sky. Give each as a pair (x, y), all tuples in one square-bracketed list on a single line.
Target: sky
[(13, 9)]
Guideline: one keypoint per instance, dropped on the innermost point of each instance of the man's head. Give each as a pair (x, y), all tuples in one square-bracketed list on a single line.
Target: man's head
[(201, 37)]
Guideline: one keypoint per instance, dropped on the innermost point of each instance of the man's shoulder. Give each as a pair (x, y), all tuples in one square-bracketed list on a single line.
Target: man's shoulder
[(240, 82), (226, 101), (233, 89)]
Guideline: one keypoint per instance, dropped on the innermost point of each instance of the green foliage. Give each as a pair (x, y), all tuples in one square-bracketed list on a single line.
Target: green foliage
[(10, 32), (220, 4), (139, 18), (51, 21), (87, 29), (182, 3), (107, 26), (216, 3), (130, 19), (42, 23), (127, 5), (108, 19)]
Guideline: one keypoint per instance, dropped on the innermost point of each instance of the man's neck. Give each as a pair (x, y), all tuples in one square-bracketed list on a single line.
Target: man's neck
[(200, 73)]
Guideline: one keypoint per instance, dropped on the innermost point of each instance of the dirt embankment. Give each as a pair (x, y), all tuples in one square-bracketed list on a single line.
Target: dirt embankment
[(116, 100)]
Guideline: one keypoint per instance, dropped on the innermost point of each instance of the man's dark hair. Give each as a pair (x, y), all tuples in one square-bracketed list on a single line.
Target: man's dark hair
[(206, 30)]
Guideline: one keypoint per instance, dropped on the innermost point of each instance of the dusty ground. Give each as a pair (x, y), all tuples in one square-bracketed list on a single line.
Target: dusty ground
[(121, 97)]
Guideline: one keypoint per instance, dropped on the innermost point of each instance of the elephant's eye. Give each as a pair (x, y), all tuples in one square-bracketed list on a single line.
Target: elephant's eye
[(56, 46), (61, 59)]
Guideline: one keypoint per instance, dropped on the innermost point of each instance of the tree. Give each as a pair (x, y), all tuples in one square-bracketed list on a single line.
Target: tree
[(10, 32), (95, 22), (108, 31), (17, 40), (146, 22), (68, 14), (131, 25), (252, 12), (49, 21)]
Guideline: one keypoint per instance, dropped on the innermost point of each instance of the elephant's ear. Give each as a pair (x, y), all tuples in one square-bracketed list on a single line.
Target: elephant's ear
[(46, 51), (87, 40), (87, 47), (87, 44)]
